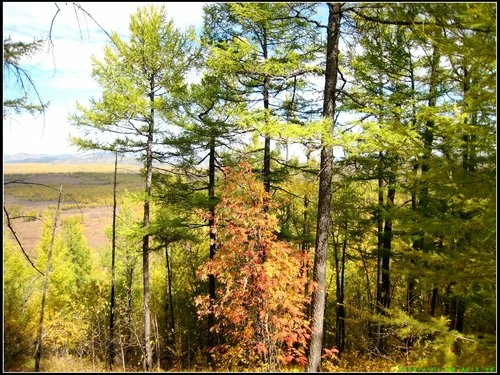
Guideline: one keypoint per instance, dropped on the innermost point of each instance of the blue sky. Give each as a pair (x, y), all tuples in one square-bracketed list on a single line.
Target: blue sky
[(62, 73)]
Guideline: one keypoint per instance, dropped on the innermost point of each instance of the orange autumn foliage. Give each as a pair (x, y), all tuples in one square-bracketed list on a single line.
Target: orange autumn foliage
[(260, 304)]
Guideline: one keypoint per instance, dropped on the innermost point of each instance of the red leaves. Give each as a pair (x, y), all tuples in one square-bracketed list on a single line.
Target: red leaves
[(329, 353), (259, 304)]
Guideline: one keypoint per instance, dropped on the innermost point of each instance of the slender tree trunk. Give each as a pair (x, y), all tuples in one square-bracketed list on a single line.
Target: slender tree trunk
[(325, 194), (416, 246), (388, 235), (128, 338), (410, 296), (170, 303), (342, 299), (148, 360), (305, 252), (384, 290), (434, 301), (38, 350), (421, 199), (375, 329), (340, 308), (112, 297), (267, 140), (460, 303), (213, 245), (414, 206)]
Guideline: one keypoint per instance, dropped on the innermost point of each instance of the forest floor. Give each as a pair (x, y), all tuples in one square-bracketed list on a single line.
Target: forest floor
[(350, 363), (60, 364)]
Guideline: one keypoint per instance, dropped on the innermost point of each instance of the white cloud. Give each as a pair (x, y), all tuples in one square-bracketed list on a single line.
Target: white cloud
[(62, 73)]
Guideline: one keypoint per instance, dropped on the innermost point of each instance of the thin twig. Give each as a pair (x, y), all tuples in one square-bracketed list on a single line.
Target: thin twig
[(18, 241)]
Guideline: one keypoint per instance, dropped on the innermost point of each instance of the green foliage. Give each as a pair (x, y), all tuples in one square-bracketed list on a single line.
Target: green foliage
[(18, 79), (139, 77), (420, 92)]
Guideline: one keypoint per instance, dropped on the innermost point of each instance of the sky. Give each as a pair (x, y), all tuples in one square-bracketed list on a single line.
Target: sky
[(62, 73)]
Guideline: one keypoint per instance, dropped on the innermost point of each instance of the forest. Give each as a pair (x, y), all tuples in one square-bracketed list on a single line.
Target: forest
[(317, 193)]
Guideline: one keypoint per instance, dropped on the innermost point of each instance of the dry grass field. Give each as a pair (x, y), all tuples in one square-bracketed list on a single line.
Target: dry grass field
[(32, 168), (31, 189)]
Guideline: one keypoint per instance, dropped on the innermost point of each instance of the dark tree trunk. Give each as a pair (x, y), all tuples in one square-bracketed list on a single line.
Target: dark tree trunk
[(460, 315), (111, 353), (305, 251), (387, 248), (374, 329), (267, 140), (340, 308), (128, 338), (434, 301), (325, 193), (384, 288), (170, 303), (213, 244)]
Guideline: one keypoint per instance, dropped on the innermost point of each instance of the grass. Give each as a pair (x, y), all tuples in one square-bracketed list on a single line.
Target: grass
[(88, 189), (58, 364)]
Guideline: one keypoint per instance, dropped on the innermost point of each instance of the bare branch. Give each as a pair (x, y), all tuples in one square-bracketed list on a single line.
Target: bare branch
[(18, 241)]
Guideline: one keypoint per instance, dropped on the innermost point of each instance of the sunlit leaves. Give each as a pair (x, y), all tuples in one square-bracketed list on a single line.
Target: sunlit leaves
[(260, 302)]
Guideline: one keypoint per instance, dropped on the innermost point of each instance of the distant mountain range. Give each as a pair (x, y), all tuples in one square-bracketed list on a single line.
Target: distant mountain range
[(98, 157)]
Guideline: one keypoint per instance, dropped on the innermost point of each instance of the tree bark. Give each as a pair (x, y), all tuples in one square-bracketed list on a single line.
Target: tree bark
[(128, 338), (305, 251), (340, 308), (384, 288), (325, 193), (267, 140), (170, 303), (148, 355), (213, 244), (111, 352)]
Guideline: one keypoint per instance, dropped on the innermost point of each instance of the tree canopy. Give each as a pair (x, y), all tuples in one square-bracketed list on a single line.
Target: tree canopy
[(318, 186)]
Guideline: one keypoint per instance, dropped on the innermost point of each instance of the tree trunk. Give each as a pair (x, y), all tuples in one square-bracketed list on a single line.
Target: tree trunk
[(305, 252), (148, 358), (340, 308), (213, 245), (111, 352), (38, 349), (267, 140), (128, 338), (374, 329), (386, 281), (384, 290), (325, 194), (434, 301), (422, 192), (170, 303)]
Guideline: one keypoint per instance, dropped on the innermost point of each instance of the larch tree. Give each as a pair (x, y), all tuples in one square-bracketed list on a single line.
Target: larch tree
[(139, 77), (411, 76), (268, 50), (18, 78), (384, 65), (206, 132), (325, 191), (464, 124)]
